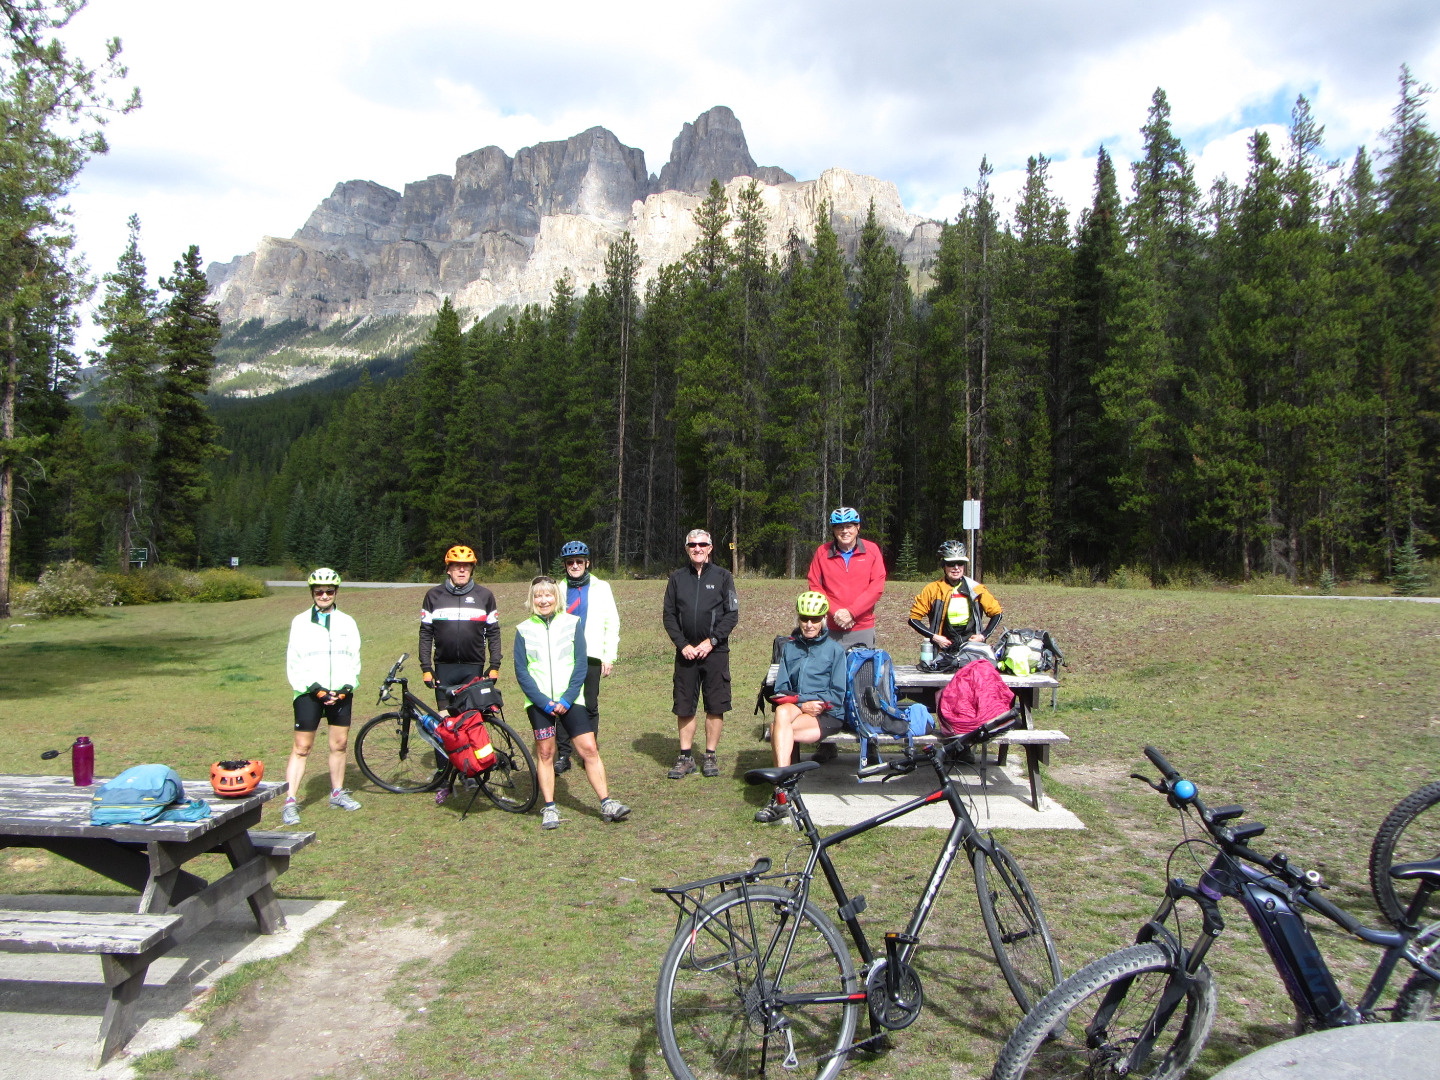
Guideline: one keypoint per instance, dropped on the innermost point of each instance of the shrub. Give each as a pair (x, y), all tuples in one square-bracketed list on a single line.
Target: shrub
[(1130, 577), (71, 588), (505, 570), (216, 586)]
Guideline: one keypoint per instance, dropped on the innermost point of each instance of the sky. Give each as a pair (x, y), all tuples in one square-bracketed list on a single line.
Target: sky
[(253, 112)]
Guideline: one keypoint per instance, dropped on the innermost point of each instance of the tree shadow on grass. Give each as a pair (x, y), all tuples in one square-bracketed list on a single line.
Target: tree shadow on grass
[(33, 669)]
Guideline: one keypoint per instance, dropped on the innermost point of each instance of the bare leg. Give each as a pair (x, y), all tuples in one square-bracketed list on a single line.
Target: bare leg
[(589, 751), (545, 768), (339, 740), (790, 726), (686, 724), (713, 724), (295, 770)]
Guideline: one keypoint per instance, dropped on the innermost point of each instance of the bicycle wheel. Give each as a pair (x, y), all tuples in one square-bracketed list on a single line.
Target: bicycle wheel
[(1015, 925), (710, 1007), (393, 755), (510, 783), (1420, 999), (1088, 1026), (1409, 833)]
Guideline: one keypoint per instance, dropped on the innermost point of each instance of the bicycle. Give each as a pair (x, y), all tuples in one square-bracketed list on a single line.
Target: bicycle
[(397, 753), (1408, 834), (1146, 1010), (761, 963)]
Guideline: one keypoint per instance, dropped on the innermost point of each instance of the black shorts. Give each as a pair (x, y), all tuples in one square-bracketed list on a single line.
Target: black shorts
[(708, 678), (575, 720), (831, 723), (309, 710)]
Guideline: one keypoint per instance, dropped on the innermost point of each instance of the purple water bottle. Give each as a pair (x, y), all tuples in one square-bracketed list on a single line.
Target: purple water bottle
[(82, 761)]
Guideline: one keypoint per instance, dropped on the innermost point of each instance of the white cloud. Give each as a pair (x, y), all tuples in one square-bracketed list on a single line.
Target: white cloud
[(254, 112)]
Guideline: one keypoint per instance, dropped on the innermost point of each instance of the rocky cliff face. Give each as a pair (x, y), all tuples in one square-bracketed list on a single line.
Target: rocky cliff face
[(501, 230)]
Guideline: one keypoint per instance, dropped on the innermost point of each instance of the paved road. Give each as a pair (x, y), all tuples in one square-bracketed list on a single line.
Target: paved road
[(1367, 1052), (361, 584), (1308, 596)]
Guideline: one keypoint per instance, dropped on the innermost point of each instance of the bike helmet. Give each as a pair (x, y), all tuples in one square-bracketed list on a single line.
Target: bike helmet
[(323, 575), (461, 554), (232, 779), (845, 515), (575, 549), (812, 604), (953, 551)]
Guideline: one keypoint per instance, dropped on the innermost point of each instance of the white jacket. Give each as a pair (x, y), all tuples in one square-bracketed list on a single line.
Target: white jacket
[(602, 622), (330, 657)]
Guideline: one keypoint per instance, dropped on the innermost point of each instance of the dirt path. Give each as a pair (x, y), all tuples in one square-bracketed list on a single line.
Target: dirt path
[(325, 1013)]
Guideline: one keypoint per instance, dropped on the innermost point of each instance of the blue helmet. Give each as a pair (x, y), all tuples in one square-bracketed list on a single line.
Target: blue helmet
[(575, 549), (845, 515)]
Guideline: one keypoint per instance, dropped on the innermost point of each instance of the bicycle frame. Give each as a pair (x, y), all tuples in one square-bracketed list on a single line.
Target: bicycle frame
[(409, 705)]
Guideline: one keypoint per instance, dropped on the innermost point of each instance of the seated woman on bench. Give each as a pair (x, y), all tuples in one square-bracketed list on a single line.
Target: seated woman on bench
[(809, 689)]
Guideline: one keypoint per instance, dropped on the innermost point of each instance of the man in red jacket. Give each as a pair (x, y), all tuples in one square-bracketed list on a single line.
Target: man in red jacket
[(851, 574)]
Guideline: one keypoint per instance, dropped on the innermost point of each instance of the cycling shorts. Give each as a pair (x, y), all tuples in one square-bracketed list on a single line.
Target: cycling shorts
[(309, 709), (576, 720)]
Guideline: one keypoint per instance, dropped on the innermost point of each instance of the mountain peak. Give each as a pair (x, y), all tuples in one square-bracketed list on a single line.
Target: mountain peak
[(713, 148)]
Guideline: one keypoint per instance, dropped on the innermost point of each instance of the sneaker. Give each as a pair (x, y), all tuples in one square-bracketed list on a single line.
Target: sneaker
[(771, 813), (562, 763), (341, 800), (826, 751), (291, 816), (708, 765), (683, 767), (613, 810), (550, 817)]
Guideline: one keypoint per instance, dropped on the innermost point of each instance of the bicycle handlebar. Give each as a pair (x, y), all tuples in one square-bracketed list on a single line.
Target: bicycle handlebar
[(1158, 760)]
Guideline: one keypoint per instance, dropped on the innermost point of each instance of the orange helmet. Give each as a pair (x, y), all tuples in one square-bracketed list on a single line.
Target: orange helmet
[(232, 779), (460, 553)]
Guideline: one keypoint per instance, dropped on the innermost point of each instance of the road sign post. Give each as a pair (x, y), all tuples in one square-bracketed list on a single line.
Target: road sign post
[(970, 521)]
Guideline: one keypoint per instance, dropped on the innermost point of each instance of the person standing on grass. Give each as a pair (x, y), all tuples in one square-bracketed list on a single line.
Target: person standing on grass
[(323, 665), (700, 612), (550, 666), (809, 690), (458, 623), (851, 574), (591, 601)]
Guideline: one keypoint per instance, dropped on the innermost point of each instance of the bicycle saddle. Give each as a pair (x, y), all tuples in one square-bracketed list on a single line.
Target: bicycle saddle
[(1429, 870), (776, 777)]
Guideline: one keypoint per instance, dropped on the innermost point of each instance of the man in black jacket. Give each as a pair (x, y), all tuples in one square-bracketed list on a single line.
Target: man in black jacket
[(459, 624), (701, 610)]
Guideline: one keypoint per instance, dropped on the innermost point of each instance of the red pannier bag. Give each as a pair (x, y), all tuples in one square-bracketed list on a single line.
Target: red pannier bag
[(466, 742)]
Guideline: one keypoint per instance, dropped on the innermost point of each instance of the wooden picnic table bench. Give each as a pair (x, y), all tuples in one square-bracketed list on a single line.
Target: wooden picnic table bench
[(51, 813), (925, 687)]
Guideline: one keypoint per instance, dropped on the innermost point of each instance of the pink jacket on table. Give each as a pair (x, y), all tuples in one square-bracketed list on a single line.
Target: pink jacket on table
[(855, 586), (975, 695)]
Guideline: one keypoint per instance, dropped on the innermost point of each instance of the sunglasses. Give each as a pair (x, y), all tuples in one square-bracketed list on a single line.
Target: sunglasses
[(962, 562), (322, 592), (543, 579), (697, 545), (812, 618), (576, 561)]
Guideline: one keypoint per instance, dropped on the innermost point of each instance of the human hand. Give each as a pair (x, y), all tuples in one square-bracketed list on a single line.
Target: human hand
[(813, 708), (429, 677), (703, 649), (688, 652), (977, 637), (941, 641), (561, 707), (493, 673), (605, 670), (843, 618)]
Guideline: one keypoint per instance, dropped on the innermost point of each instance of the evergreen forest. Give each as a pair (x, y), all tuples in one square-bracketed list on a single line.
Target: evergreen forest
[(1227, 382)]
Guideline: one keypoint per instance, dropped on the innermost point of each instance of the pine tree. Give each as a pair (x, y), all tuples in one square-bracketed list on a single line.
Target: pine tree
[(187, 438), (439, 476), (1409, 578), (128, 393), (622, 270)]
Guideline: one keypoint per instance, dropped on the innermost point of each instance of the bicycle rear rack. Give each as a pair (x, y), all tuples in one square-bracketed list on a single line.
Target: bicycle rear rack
[(691, 897)]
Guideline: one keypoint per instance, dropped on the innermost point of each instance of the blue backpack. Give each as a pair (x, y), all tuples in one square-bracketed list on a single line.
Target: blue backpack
[(144, 794), (871, 705)]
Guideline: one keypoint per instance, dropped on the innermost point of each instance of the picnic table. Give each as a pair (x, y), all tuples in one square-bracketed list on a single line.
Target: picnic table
[(925, 687), (51, 813)]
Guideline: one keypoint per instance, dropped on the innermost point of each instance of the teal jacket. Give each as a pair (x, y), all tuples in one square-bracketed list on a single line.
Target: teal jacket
[(813, 669)]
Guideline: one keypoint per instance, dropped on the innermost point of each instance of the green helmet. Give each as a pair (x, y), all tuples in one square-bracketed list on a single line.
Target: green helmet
[(812, 604), (323, 576)]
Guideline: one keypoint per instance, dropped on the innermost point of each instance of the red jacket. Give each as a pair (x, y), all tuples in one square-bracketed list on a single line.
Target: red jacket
[(974, 696), (855, 587)]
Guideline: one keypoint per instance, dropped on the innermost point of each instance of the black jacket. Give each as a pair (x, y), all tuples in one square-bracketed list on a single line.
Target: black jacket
[(461, 628), (700, 606)]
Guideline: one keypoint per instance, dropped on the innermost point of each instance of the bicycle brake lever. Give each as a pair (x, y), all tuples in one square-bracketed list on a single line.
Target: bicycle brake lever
[(1151, 783)]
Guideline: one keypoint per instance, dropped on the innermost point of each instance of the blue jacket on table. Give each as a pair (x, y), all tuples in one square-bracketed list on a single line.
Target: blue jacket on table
[(813, 669)]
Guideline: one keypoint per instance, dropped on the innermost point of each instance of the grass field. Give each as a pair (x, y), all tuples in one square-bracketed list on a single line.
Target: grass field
[(1316, 715)]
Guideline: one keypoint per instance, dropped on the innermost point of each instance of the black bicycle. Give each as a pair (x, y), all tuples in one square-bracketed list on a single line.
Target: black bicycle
[(1410, 833), (760, 972), (1146, 1010), (397, 753)]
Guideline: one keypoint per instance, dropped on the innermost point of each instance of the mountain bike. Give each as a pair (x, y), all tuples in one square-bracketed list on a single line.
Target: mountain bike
[(1409, 833), (396, 752), (760, 972), (1146, 1010)]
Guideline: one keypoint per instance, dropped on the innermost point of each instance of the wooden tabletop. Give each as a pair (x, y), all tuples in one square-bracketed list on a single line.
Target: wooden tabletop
[(908, 676), (54, 806)]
